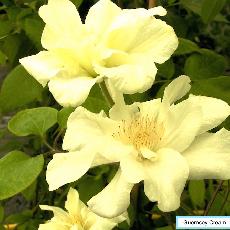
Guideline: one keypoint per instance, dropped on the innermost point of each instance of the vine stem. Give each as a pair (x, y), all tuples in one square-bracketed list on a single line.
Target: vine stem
[(213, 198), (106, 93), (152, 3), (48, 145)]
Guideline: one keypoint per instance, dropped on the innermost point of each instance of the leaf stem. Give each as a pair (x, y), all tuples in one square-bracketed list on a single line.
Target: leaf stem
[(48, 145), (213, 198), (57, 138), (106, 93), (225, 199)]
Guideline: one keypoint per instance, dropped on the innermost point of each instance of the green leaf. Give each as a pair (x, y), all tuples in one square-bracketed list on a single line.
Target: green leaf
[(11, 46), (166, 69), (30, 192), (18, 171), (3, 58), (1, 213), (63, 116), (33, 121), (19, 218), (96, 185), (206, 64), (95, 101), (213, 87), (185, 47), (216, 206), (33, 28), (77, 3), (193, 5), (18, 89), (95, 105), (196, 189), (5, 28), (210, 9)]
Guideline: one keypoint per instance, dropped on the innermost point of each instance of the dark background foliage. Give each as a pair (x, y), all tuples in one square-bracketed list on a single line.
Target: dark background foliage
[(203, 30)]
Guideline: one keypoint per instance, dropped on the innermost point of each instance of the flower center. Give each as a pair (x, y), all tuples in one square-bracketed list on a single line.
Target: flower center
[(143, 132)]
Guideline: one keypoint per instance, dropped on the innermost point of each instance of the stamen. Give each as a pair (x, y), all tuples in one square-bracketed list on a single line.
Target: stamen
[(141, 131)]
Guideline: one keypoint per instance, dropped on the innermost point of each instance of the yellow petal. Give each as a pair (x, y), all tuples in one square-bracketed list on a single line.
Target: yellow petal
[(63, 24)]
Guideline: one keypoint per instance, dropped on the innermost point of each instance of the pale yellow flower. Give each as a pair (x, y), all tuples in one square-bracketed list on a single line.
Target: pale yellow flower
[(121, 45), (158, 142), (77, 216)]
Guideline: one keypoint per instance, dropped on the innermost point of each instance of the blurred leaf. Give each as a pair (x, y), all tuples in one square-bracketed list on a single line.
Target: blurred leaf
[(207, 64), (3, 58), (167, 69), (5, 28), (213, 87), (193, 5), (19, 217), (179, 25), (185, 47), (196, 189), (33, 121), (10, 47), (63, 116), (216, 206), (31, 224), (16, 90), (210, 9), (165, 228), (1, 213), (33, 28), (18, 171), (30, 192)]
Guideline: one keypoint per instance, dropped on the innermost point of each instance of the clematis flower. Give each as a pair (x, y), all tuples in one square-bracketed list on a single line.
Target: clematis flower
[(77, 217), (158, 142), (116, 44)]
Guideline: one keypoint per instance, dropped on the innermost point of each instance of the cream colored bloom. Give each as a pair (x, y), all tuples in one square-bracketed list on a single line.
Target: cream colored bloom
[(158, 142), (121, 45), (77, 217)]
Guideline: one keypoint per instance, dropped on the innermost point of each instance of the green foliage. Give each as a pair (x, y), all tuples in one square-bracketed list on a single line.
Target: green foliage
[(210, 9), (33, 121), (1, 213), (167, 69), (18, 89), (95, 101), (214, 87), (206, 64), (196, 191), (63, 115), (186, 47), (18, 171)]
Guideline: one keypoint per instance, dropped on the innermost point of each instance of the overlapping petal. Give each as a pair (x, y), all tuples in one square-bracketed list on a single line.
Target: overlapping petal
[(214, 111), (166, 179), (209, 156), (100, 16), (134, 73), (63, 28), (68, 167), (114, 199), (44, 65), (71, 92), (83, 126), (150, 36)]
